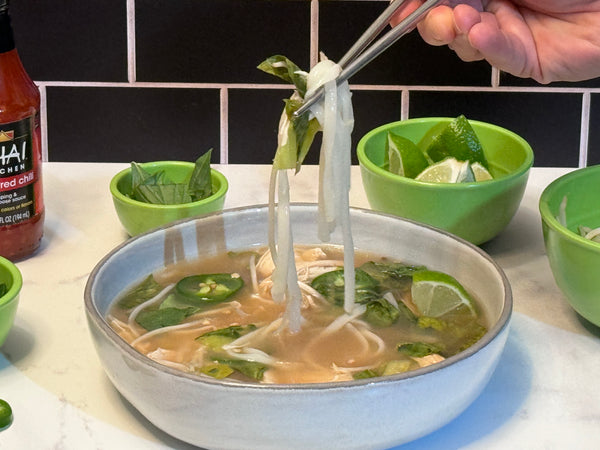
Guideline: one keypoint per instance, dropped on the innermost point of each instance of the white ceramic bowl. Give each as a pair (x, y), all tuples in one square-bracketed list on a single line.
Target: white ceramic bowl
[(373, 413)]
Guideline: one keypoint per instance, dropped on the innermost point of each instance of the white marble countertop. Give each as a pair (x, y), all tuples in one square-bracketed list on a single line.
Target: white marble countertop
[(545, 393)]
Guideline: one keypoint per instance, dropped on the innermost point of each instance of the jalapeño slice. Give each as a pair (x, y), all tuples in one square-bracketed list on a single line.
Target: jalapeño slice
[(204, 289), (331, 286)]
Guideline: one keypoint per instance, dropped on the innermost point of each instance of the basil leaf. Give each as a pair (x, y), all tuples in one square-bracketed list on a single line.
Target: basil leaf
[(200, 185), (215, 340), (234, 331), (251, 369), (299, 132), (164, 194), (283, 68), (381, 313), (152, 319), (418, 349), (138, 176), (391, 275), (139, 294), (364, 374)]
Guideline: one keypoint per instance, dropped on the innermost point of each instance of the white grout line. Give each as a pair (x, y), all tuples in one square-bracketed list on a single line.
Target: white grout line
[(404, 105), (131, 62), (358, 87), (43, 122), (314, 32), (224, 127), (585, 129), (495, 77)]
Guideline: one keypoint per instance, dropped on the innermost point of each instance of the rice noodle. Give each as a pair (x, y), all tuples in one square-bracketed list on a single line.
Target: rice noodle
[(337, 121), (342, 320), (252, 264), (593, 233), (196, 323), (240, 348)]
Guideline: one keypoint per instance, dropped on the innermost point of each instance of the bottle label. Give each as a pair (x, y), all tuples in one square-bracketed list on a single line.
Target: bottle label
[(17, 174)]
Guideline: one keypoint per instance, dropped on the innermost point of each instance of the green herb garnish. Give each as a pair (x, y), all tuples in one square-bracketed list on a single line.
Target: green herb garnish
[(419, 349), (152, 319), (158, 189), (215, 340), (299, 131), (251, 369), (140, 293), (3, 289)]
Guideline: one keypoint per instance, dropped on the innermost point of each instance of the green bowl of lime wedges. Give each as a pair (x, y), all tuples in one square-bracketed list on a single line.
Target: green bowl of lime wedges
[(464, 176), (570, 211)]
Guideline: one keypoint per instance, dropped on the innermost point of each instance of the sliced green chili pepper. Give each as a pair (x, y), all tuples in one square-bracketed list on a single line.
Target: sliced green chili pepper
[(209, 288)]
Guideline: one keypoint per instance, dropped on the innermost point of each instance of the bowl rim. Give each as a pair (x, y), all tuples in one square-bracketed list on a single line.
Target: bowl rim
[(17, 283), (366, 162), (214, 173), (551, 221), (496, 329)]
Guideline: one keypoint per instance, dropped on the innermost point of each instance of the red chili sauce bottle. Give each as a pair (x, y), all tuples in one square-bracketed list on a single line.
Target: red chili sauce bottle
[(21, 202)]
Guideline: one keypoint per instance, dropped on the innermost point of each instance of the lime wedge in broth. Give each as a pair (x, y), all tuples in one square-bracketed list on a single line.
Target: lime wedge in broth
[(436, 293), (403, 157)]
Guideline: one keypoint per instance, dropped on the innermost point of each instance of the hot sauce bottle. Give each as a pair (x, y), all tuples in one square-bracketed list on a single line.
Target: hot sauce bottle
[(21, 203)]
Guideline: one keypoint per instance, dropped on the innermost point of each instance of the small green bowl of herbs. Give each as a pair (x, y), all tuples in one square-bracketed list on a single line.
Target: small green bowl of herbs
[(152, 194), (11, 282)]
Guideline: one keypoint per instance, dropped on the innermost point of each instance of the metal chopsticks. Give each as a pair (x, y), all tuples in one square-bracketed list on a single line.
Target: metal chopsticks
[(359, 55)]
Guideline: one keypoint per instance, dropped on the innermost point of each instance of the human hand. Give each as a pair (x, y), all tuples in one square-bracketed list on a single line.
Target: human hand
[(547, 40)]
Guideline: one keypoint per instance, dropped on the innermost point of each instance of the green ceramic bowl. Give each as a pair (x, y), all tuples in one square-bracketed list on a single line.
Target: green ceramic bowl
[(475, 211), (139, 217), (574, 260), (10, 276)]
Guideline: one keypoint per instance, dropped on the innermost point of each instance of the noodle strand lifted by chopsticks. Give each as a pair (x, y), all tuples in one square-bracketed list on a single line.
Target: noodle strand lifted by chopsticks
[(337, 121)]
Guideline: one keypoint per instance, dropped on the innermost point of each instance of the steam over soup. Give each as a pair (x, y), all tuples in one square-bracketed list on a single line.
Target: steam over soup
[(216, 317)]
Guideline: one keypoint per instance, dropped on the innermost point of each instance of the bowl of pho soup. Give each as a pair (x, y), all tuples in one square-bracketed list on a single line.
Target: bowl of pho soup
[(184, 272)]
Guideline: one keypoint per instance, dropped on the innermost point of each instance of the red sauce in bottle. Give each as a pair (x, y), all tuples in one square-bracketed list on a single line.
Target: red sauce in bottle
[(21, 201)]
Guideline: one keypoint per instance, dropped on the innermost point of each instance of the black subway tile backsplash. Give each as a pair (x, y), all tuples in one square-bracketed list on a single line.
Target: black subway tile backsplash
[(554, 136), (72, 40), (216, 41), (507, 79), (112, 74), (253, 119), (124, 124), (594, 135), (408, 62)]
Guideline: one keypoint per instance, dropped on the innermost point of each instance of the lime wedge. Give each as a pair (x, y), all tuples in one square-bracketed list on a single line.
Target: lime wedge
[(436, 293), (458, 140), (448, 171), (480, 172), (404, 157), (6, 415)]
